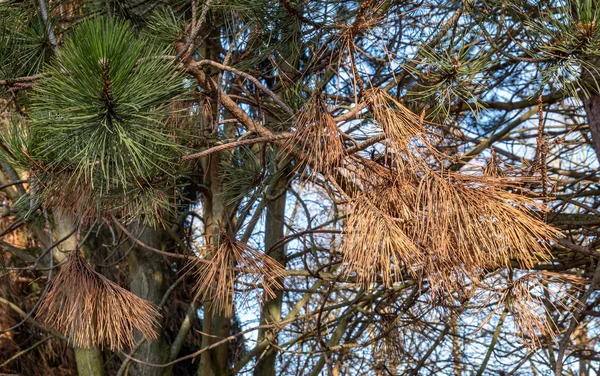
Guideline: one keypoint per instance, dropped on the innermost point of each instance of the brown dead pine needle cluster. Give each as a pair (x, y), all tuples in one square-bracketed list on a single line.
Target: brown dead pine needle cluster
[(94, 311), (318, 137), (533, 299), (411, 213), (65, 191), (216, 277)]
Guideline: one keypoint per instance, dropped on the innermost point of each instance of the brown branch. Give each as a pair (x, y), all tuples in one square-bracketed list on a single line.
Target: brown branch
[(23, 80), (229, 104), (196, 25), (34, 322), (360, 16), (149, 248), (230, 145), (365, 144), (484, 144), (278, 325), (13, 183), (250, 78), (23, 352), (353, 113), (578, 248)]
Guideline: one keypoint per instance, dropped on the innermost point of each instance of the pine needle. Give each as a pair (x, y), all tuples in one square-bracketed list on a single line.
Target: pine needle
[(531, 311), (441, 225), (216, 278), (94, 311), (317, 137)]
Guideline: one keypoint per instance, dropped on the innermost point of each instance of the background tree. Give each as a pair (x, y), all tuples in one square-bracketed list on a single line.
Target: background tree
[(306, 188)]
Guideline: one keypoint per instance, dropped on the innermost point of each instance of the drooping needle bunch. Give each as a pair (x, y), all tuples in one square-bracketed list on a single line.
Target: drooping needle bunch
[(94, 311), (411, 214), (229, 260), (317, 135), (533, 299)]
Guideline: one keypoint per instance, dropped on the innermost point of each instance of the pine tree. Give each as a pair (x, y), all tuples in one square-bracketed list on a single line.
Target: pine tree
[(283, 187)]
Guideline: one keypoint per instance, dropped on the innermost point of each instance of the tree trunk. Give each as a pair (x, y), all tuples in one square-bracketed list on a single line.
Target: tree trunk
[(271, 312), (592, 109), (89, 361), (147, 273), (214, 362), (275, 214)]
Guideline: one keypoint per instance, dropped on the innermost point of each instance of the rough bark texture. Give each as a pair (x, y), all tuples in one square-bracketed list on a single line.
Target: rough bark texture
[(148, 281), (592, 109)]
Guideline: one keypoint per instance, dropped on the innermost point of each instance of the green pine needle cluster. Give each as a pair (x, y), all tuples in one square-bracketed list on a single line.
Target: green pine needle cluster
[(164, 27), (102, 110), (242, 172), (569, 39), (102, 123), (447, 77), (24, 46)]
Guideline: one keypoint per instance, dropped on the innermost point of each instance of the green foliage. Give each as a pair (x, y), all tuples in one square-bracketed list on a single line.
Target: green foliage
[(24, 45), (101, 136), (587, 12), (164, 27), (266, 31), (102, 110), (568, 39), (16, 144), (139, 11), (242, 172), (297, 95), (447, 77)]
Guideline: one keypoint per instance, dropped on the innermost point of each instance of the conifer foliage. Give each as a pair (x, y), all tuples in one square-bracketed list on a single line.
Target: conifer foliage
[(98, 121), (93, 311), (275, 187)]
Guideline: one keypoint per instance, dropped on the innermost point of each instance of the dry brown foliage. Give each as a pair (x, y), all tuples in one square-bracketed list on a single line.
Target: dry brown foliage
[(216, 276), (413, 214), (317, 137), (61, 194), (401, 126), (435, 223), (94, 311), (532, 301)]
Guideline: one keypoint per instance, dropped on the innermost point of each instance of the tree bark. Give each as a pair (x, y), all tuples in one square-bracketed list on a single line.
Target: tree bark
[(89, 361), (592, 110), (215, 361), (148, 281), (275, 211), (271, 313)]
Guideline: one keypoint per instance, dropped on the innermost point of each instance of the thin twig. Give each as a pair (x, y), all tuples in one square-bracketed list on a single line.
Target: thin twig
[(234, 144), (147, 247), (595, 282), (250, 78), (23, 352)]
